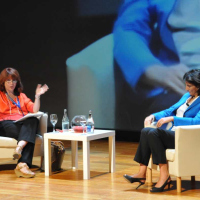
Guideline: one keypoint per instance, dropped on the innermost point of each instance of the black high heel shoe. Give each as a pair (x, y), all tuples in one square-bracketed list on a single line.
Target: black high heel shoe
[(134, 180), (160, 189)]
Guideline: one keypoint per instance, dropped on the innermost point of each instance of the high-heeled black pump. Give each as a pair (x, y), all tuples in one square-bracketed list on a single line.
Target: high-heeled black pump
[(134, 180), (160, 189)]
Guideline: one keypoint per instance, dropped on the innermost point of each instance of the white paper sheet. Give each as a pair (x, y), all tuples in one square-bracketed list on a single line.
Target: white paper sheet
[(37, 114)]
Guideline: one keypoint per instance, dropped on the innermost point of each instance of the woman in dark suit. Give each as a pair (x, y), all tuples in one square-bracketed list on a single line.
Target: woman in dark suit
[(155, 141)]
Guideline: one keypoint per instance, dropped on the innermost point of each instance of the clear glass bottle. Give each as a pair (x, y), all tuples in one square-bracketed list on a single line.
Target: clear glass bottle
[(65, 122), (90, 123)]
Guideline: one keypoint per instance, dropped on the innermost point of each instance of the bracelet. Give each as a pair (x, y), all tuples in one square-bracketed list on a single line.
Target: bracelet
[(37, 97)]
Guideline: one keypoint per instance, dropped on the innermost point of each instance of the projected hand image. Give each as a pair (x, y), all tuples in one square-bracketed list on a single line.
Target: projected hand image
[(169, 78)]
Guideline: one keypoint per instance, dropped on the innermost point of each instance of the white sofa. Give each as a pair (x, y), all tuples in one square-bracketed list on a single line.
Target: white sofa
[(7, 145)]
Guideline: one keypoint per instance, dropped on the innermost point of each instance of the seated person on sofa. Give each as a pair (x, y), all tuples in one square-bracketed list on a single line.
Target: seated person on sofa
[(155, 141), (14, 105), (155, 43)]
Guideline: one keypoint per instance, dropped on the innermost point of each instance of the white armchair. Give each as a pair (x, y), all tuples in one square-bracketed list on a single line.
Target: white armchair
[(184, 159), (7, 145)]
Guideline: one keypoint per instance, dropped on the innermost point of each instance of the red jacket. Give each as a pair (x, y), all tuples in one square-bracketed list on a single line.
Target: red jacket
[(9, 111)]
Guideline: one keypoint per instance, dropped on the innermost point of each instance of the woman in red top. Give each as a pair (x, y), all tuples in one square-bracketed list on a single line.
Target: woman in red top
[(14, 105)]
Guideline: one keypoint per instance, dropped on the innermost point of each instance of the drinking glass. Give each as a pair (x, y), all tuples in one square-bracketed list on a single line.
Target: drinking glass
[(54, 120), (83, 122)]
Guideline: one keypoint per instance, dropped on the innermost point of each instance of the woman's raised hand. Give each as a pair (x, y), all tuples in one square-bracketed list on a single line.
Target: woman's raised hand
[(41, 90)]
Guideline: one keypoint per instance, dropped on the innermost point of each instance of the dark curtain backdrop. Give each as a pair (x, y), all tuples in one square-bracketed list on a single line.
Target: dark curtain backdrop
[(38, 36)]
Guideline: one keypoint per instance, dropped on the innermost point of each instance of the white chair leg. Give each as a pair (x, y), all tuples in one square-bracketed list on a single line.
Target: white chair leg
[(178, 184)]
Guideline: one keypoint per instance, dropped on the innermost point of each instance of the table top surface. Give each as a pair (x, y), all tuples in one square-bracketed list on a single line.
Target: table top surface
[(80, 136)]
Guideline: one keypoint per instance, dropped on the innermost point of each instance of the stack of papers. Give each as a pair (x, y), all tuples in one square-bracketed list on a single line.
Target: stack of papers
[(37, 114)]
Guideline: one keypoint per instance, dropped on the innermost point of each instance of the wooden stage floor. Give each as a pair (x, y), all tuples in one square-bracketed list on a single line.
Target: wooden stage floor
[(69, 184)]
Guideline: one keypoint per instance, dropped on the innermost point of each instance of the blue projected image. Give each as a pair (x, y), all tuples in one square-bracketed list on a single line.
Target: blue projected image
[(153, 44), (156, 42)]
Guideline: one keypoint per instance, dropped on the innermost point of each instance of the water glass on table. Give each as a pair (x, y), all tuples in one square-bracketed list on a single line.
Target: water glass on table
[(83, 123), (53, 120)]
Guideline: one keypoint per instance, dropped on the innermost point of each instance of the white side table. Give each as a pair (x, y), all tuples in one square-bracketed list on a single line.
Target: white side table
[(85, 138)]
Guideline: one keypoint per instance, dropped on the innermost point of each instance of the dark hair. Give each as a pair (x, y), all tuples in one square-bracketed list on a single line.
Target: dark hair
[(193, 77), (15, 75)]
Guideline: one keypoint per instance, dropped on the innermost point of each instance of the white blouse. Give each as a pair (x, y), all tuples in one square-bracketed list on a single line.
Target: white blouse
[(181, 110)]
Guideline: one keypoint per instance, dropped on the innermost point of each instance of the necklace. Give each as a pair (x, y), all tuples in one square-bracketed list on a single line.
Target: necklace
[(190, 100)]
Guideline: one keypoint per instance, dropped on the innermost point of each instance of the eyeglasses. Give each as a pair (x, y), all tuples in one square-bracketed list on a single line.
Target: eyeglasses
[(10, 81)]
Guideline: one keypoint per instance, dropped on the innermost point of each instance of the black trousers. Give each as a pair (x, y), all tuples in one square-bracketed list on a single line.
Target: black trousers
[(155, 142), (24, 130)]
